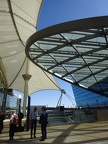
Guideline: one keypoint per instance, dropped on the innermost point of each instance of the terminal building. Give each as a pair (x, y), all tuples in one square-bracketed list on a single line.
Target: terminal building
[(13, 102), (86, 99)]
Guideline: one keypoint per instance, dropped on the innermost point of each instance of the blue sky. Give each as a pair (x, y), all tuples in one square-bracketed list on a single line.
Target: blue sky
[(50, 97), (58, 11)]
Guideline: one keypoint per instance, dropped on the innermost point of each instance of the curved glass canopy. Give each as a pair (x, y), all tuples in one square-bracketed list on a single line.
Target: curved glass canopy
[(75, 51)]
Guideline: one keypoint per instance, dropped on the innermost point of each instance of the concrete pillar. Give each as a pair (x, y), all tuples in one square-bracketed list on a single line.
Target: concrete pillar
[(26, 78)]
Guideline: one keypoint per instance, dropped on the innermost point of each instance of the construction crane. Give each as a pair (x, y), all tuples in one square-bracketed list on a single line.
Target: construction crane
[(60, 98)]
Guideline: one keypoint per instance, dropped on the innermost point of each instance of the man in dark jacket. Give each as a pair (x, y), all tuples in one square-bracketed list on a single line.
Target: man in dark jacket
[(43, 121)]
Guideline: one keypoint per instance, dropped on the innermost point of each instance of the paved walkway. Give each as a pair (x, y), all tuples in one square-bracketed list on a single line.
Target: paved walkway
[(85, 133)]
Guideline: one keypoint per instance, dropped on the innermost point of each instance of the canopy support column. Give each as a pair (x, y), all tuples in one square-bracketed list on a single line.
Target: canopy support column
[(26, 77)]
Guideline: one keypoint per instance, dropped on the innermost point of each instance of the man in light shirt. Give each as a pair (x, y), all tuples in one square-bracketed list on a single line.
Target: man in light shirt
[(12, 126), (33, 117)]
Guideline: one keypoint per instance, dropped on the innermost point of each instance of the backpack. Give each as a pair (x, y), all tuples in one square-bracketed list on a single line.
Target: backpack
[(15, 120), (21, 115)]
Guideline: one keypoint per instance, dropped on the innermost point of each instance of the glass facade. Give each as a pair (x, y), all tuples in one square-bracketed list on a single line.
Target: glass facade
[(12, 102), (85, 98)]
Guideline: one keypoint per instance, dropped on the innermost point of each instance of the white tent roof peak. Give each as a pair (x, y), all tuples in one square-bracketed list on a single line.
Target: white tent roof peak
[(18, 20)]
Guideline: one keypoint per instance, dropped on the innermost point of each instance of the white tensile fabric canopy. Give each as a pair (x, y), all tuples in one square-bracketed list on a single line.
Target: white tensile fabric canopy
[(18, 19)]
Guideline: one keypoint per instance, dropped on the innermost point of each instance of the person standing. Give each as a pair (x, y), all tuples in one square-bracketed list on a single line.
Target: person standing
[(12, 125), (2, 117), (33, 117), (43, 121), (20, 116)]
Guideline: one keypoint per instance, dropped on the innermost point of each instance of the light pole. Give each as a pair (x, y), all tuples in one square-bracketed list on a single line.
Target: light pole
[(97, 102), (19, 103)]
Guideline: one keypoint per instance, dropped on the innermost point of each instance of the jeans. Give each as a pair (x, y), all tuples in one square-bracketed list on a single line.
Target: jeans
[(44, 132), (33, 126)]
